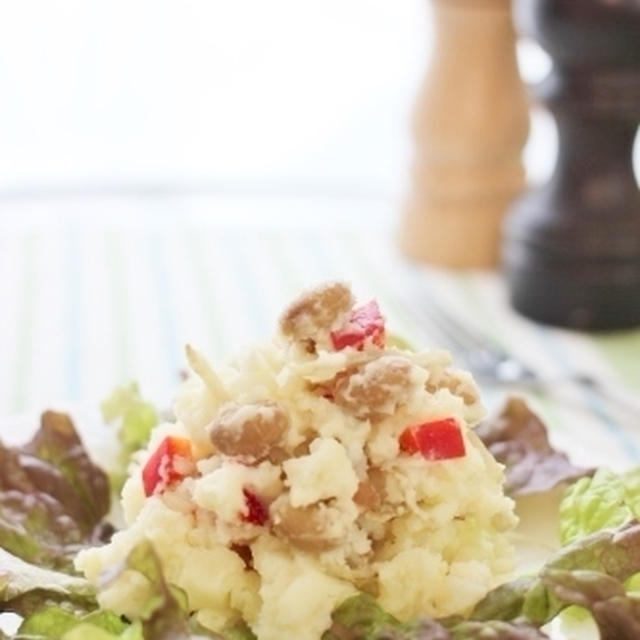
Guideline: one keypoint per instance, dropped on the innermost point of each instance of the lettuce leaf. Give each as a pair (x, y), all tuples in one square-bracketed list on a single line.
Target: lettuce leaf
[(52, 497), (88, 631), (51, 623), (164, 616), (53, 500), (25, 588), (607, 500), (134, 419), (590, 573), (58, 624), (238, 632), (505, 602), (362, 618), (137, 416), (497, 630), (517, 438), (616, 614)]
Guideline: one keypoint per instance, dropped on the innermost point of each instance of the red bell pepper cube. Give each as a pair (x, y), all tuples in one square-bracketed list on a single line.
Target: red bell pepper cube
[(435, 440), (257, 512), (168, 464), (365, 323)]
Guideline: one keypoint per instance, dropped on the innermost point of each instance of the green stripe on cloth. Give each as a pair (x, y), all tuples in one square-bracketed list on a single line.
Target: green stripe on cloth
[(275, 245), (471, 296), (25, 322), (116, 269), (622, 352), (195, 243)]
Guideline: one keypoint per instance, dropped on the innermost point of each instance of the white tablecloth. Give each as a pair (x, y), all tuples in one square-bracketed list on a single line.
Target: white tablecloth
[(97, 291)]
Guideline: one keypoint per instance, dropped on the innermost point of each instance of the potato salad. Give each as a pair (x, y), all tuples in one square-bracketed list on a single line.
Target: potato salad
[(325, 463)]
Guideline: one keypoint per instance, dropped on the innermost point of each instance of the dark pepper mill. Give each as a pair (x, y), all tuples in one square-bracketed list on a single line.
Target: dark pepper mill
[(572, 248)]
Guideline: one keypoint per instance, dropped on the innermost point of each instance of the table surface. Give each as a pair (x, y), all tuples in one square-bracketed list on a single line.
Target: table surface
[(100, 290)]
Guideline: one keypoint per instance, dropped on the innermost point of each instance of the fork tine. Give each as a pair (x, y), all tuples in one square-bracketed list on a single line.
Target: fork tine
[(449, 327), (483, 354), (419, 309), (463, 333), (455, 338)]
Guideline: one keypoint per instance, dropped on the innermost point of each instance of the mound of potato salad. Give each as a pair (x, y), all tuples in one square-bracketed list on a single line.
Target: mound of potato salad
[(319, 465)]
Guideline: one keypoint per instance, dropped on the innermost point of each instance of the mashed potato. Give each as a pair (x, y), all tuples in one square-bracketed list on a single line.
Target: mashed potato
[(321, 464)]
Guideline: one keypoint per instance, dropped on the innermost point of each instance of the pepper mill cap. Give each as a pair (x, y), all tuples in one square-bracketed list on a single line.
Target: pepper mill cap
[(585, 32)]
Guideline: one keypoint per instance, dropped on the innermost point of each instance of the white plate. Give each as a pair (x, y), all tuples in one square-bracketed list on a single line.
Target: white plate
[(536, 537)]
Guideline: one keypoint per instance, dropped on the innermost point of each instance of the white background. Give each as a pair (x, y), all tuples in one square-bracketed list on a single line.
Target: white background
[(244, 95)]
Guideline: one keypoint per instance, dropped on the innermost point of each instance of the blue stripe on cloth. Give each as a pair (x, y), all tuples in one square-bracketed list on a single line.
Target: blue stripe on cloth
[(119, 303), (233, 247), (193, 244), (277, 247), (323, 267), (554, 347), (166, 308)]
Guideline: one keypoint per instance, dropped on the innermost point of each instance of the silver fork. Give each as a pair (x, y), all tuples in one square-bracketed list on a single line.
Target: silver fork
[(492, 364)]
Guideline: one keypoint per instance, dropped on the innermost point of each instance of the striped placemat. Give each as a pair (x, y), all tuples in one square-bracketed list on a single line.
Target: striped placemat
[(98, 292)]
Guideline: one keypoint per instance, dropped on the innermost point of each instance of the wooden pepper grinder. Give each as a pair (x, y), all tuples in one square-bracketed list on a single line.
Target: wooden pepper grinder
[(470, 126), (572, 248)]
